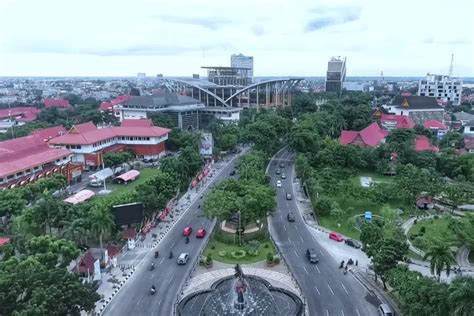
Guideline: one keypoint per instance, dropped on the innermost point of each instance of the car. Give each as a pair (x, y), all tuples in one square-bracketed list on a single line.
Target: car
[(187, 231), (277, 171), (283, 176), (95, 183), (278, 184), (290, 216), (282, 165), (201, 232), (232, 173), (352, 243), (311, 255), (335, 236), (385, 310), (289, 196), (183, 258)]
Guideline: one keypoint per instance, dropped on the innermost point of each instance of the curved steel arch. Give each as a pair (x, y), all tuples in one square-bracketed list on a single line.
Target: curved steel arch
[(297, 80), (224, 103)]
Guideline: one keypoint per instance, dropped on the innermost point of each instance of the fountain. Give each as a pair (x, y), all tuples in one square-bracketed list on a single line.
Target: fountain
[(241, 295)]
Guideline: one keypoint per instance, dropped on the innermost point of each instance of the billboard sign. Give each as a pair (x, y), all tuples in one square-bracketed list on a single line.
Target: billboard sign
[(207, 145)]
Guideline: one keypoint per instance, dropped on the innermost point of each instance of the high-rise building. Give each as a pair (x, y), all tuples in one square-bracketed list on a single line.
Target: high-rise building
[(241, 61), (443, 88), (336, 74)]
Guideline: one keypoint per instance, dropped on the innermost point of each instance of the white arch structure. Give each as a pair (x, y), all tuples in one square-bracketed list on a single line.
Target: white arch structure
[(274, 89)]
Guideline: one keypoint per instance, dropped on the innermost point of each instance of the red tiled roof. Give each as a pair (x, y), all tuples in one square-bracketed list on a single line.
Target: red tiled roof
[(26, 152), (121, 99), (49, 103), (86, 265), (27, 114), (469, 143), (50, 132), (434, 124), (106, 106), (422, 143), (136, 123), (371, 136), (402, 120), (113, 250), (130, 233), (4, 241), (82, 135)]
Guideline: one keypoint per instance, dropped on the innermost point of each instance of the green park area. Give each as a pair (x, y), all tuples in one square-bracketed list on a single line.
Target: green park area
[(425, 230), (145, 174), (250, 252)]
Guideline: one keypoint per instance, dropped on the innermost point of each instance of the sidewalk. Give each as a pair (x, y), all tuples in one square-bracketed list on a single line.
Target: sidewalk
[(130, 259)]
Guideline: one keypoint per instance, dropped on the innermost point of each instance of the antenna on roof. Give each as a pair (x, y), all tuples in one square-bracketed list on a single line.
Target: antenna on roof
[(451, 66)]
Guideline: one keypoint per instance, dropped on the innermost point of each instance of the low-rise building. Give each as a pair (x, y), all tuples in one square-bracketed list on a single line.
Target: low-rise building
[(56, 103), (19, 114), (418, 108), (438, 128), (371, 136), (89, 143), (422, 143), (468, 129), (393, 121)]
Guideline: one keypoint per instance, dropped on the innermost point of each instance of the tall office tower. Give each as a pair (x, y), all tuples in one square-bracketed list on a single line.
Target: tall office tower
[(444, 88), (336, 74), (241, 61)]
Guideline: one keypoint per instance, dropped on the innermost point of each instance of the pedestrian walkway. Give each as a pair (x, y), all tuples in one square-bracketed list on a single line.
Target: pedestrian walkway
[(129, 260)]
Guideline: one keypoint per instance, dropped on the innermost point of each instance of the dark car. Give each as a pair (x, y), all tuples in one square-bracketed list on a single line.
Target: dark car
[(232, 173), (282, 165), (277, 171), (289, 196), (291, 216), (311, 255), (352, 243)]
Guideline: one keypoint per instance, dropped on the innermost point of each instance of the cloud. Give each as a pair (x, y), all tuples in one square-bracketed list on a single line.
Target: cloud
[(455, 41), (208, 22), (325, 17), (258, 30)]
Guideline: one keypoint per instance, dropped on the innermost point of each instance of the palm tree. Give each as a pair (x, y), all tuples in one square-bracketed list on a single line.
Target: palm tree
[(461, 296), (101, 221), (440, 256)]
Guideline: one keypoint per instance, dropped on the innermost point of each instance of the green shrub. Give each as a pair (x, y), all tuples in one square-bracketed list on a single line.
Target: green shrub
[(209, 259), (270, 257), (222, 253), (266, 246), (422, 230), (239, 254), (276, 259), (436, 217), (213, 247)]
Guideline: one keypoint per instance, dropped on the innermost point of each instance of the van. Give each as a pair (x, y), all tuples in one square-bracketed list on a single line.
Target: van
[(385, 310)]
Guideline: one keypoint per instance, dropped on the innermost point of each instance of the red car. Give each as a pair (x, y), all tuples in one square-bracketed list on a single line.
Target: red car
[(201, 233), (187, 231), (335, 236)]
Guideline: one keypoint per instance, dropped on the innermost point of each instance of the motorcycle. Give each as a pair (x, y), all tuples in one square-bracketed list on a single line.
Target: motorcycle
[(156, 254), (171, 255), (152, 266), (341, 265), (153, 290), (187, 240), (345, 270)]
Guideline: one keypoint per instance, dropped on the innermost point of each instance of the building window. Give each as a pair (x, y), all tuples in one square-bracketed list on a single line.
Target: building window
[(27, 170), (21, 173), (36, 168), (10, 177), (1, 180)]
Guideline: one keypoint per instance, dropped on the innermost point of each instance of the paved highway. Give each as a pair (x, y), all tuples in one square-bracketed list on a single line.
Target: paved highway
[(134, 297), (326, 289)]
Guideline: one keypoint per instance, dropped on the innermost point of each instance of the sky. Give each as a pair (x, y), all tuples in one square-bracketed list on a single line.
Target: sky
[(286, 38)]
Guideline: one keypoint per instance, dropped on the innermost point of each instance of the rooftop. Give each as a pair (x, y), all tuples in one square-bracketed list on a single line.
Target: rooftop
[(371, 136), (161, 100), (422, 143), (415, 102)]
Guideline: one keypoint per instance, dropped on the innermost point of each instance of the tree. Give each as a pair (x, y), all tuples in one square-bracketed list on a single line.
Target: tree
[(323, 206), (52, 251), (101, 220), (117, 158), (251, 167), (461, 296), (156, 192), (440, 256), (11, 202), (370, 236)]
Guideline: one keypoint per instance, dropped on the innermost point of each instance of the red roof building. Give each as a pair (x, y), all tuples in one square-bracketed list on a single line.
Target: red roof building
[(89, 143), (422, 143), (20, 114), (469, 144), (86, 264), (434, 124), (28, 158), (56, 103), (50, 132), (391, 121), (371, 136), (106, 106), (120, 99)]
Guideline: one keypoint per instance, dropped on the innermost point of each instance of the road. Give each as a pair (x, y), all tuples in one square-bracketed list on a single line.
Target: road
[(326, 289), (134, 297)]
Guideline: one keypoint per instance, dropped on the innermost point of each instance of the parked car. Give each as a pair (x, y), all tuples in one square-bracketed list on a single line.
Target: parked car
[(289, 196), (95, 183), (311, 255), (335, 236), (187, 231), (290, 216), (278, 184), (283, 176), (352, 243), (183, 258), (277, 171), (201, 233)]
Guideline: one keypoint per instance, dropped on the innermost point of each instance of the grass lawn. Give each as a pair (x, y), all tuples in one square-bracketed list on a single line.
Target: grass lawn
[(471, 257), (434, 228), (145, 174), (214, 247), (376, 177)]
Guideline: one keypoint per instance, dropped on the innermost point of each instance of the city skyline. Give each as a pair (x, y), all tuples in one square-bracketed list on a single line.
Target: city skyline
[(122, 38)]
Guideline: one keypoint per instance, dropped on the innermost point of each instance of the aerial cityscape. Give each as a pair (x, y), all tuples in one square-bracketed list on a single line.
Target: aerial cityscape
[(240, 159)]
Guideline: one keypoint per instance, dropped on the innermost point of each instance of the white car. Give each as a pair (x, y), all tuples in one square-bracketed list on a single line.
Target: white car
[(183, 258), (278, 184)]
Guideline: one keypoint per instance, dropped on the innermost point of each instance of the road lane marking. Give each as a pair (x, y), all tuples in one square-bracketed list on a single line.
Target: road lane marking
[(331, 289), (317, 290), (314, 239), (322, 253), (306, 270), (284, 226), (296, 227), (344, 288), (301, 237), (161, 261), (357, 311), (296, 254), (318, 269)]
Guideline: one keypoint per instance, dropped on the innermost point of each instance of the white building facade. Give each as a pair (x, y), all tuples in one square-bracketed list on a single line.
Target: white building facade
[(241, 61), (441, 87)]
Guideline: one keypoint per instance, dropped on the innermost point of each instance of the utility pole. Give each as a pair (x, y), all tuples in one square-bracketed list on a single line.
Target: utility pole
[(240, 230)]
